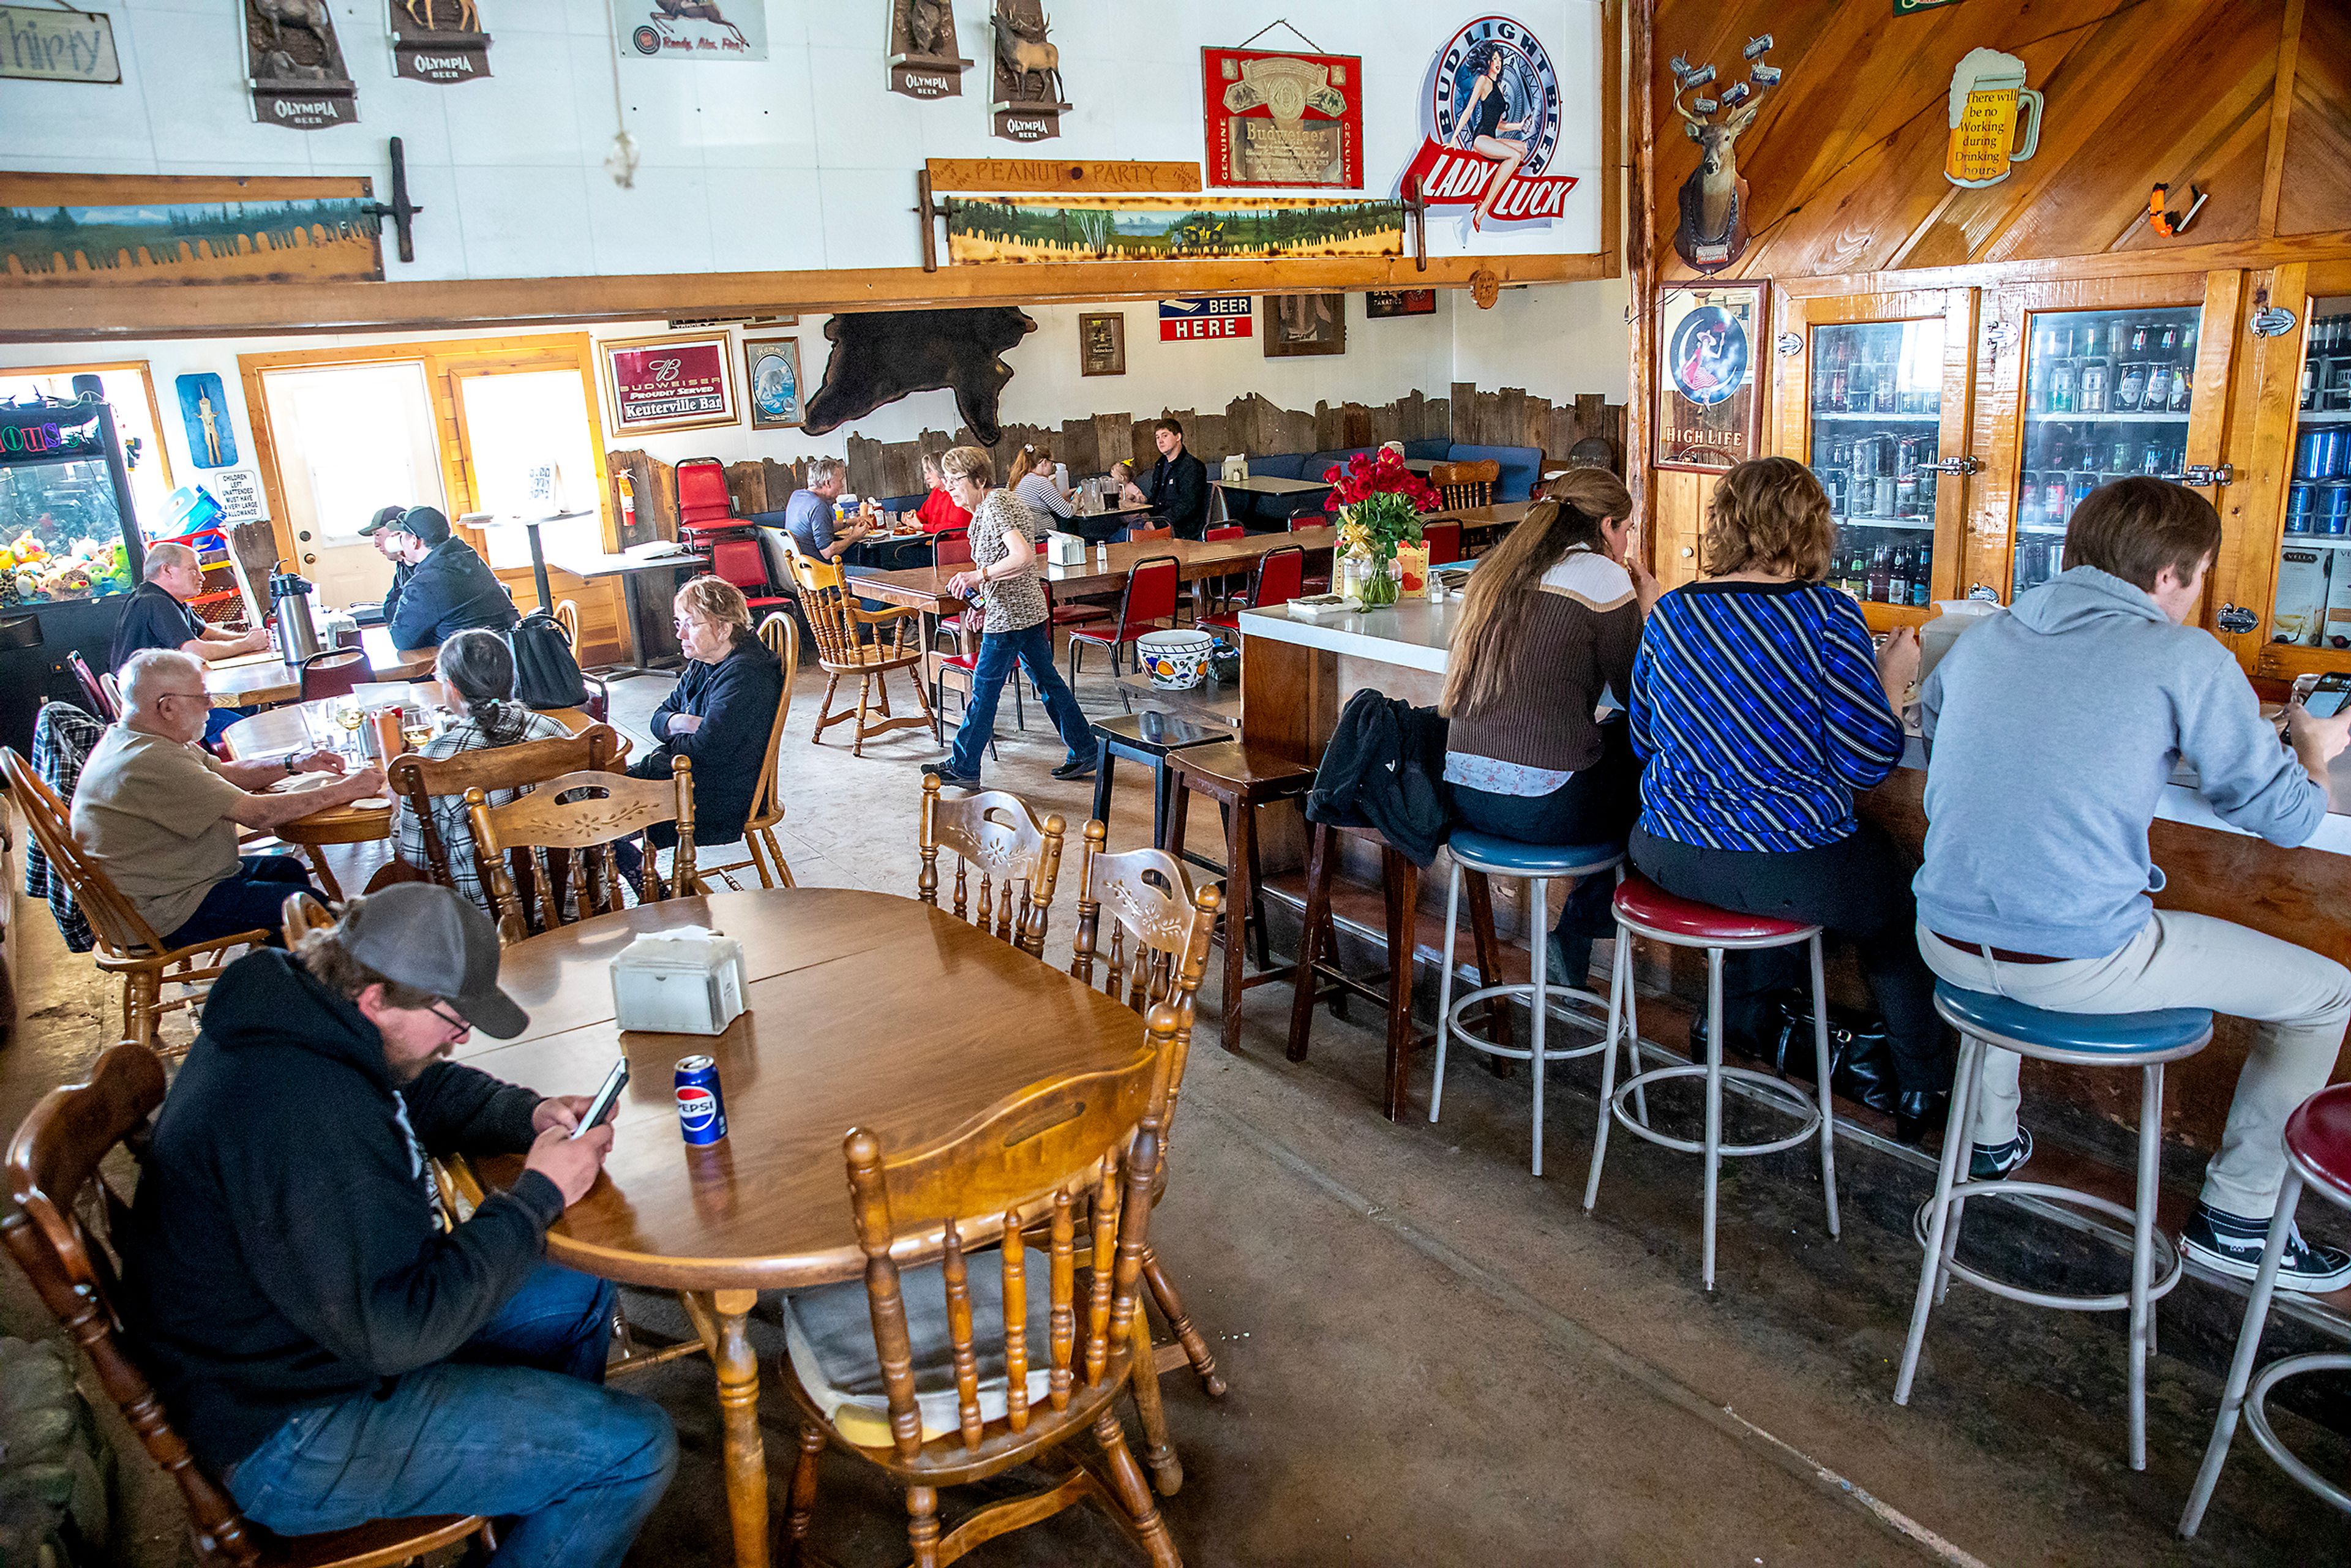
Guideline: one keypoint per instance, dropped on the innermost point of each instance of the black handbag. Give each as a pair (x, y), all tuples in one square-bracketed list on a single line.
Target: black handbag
[(1861, 1052)]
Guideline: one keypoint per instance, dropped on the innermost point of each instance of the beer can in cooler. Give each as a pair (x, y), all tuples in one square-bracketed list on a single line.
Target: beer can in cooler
[(2053, 505), (700, 1104), (2333, 507), (2314, 450), (2300, 498)]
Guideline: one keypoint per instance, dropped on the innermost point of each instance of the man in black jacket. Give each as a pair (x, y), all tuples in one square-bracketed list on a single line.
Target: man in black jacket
[(1177, 490), (444, 588), (332, 1348)]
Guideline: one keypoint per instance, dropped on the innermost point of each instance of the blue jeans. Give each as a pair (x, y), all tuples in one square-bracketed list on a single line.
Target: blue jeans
[(252, 900), (1034, 650), (516, 1425), (216, 723)]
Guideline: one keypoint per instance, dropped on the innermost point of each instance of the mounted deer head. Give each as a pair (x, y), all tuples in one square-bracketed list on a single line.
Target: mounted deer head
[(1713, 229)]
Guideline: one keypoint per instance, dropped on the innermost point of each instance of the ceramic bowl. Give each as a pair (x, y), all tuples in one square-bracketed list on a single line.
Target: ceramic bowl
[(1175, 660)]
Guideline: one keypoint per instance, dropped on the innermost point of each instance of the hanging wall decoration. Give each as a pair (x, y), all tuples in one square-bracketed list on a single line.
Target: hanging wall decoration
[(881, 356), (1381, 304), (771, 368), (924, 61), (1043, 228), (1276, 117), (438, 41), (1709, 416), (692, 29), (1102, 343), (672, 383), (1299, 324), (1491, 124), (204, 409), (57, 46), (295, 65), (1990, 108), (1026, 100), (186, 228), (1212, 316), (1712, 230)]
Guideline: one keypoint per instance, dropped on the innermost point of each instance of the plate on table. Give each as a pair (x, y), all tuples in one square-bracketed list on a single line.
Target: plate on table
[(303, 783)]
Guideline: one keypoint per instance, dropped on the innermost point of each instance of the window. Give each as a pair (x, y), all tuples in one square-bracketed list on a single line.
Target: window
[(131, 392)]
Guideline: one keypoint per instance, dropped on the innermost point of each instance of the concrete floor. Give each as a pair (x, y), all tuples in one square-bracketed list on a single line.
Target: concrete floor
[(1436, 1358)]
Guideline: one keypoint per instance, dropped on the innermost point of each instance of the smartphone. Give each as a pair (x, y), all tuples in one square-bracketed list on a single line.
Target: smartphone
[(601, 1106), (2327, 698)]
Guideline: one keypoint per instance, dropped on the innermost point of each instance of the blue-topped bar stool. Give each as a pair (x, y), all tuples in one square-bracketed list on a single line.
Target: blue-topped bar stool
[(1644, 909), (2145, 1041), (1538, 865), (2317, 1154)]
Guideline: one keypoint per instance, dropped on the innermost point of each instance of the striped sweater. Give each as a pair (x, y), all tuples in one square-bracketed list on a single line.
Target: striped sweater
[(1583, 624), (1759, 707)]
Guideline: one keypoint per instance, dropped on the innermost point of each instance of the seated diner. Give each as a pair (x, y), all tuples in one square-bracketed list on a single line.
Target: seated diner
[(938, 512), (447, 587), (719, 714), (156, 615)]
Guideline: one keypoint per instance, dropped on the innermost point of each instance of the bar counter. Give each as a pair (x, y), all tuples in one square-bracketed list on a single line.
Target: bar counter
[(1296, 675)]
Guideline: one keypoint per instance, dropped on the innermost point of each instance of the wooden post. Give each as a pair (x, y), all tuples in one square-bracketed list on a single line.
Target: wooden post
[(1641, 271)]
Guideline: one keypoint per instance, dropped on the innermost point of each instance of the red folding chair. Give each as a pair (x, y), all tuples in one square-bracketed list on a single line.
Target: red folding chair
[(1151, 587), (333, 674), (99, 702), (1444, 542), (954, 550), (1218, 589), (704, 510), (743, 563), (1320, 583), (1279, 577)]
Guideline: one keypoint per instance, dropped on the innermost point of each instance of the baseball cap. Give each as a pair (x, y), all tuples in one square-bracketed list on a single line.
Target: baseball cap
[(435, 940), (385, 517), (426, 523)]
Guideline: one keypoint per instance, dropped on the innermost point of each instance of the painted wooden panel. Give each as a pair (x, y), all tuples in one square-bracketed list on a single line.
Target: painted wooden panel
[(2314, 192)]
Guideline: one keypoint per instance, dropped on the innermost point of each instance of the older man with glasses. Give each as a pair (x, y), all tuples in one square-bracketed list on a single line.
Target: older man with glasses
[(161, 814)]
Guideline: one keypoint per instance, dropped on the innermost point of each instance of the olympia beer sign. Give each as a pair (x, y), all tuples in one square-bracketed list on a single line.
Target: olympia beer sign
[(1491, 127)]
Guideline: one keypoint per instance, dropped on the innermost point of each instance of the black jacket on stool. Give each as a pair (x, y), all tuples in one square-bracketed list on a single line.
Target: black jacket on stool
[(736, 700)]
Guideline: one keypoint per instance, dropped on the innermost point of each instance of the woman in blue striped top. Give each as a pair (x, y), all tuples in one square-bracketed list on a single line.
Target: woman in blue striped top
[(1761, 708)]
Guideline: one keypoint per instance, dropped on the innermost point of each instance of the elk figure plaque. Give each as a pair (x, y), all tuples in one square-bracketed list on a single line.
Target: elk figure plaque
[(1712, 230), (1028, 73), (296, 66), (438, 41), (923, 62)]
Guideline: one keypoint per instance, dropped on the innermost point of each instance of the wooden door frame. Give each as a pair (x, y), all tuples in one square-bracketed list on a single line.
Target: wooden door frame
[(2262, 449)]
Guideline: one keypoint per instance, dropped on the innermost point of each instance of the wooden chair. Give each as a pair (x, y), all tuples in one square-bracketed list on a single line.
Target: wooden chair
[(761, 852), (1073, 1154), (567, 615), (304, 914), (334, 672), (127, 945), (842, 626), (1466, 484), (583, 815), (998, 832), (62, 1233), (421, 780), (1151, 901), (104, 705)]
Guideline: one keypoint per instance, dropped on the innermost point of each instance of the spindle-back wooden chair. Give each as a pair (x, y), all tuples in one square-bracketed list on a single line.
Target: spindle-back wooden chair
[(1073, 1155), (1466, 484), (760, 851), (494, 770), (127, 945), (62, 1233), (583, 816), (997, 832), (303, 915), (851, 641)]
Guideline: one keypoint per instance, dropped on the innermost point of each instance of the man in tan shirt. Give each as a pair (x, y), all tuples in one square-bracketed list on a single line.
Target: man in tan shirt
[(161, 814)]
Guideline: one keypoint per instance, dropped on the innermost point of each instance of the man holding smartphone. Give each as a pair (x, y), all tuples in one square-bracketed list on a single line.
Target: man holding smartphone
[(2053, 729), (333, 1343)]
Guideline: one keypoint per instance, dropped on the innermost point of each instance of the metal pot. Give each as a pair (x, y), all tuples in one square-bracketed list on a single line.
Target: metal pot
[(289, 599)]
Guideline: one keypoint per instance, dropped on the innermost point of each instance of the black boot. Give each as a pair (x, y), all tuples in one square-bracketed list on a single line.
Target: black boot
[(1918, 1113)]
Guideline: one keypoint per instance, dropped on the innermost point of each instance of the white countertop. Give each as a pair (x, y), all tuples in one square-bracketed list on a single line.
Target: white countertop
[(1418, 635)]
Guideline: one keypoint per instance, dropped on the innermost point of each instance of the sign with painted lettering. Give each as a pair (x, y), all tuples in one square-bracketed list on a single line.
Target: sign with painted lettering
[(1059, 174), (238, 490), (1217, 316), (1709, 416), (668, 383), (57, 46), (691, 29), (1491, 127), (438, 41)]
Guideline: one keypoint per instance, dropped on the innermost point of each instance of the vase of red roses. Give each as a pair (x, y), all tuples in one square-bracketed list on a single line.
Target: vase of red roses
[(1379, 503)]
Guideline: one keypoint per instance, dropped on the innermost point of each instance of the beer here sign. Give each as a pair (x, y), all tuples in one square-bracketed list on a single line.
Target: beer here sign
[(1218, 315)]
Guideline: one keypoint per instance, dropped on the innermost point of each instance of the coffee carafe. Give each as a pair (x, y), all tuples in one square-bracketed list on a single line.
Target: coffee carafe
[(289, 600)]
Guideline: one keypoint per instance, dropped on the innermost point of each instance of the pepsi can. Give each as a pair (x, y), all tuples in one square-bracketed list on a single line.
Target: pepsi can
[(701, 1105)]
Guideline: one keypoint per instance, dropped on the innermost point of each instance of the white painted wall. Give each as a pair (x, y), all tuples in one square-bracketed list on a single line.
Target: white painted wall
[(801, 160), (1554, 340)]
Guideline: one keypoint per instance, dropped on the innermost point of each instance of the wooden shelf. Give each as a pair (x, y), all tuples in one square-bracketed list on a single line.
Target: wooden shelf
[(2136, 416), (1890, 418)]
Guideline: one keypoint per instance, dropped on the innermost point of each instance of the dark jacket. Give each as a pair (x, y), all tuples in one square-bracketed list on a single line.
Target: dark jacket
[(1382, 767), (451, 590), (736, 700), (152, 618), (285, 1249), (1178, 490)]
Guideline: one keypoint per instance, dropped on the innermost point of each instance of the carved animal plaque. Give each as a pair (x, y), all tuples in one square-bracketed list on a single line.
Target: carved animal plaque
[(1028, 73), (923, 58), (296, 66), (438, 41), (879, 357)]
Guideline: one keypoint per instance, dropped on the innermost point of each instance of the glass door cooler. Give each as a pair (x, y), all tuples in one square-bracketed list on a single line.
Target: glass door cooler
[(2311, 606)]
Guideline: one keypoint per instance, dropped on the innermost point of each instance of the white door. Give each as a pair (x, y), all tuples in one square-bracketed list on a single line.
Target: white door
[(351, 439), (529, 446)]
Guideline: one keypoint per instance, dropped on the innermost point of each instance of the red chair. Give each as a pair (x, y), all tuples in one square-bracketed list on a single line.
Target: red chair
[(954, 550), (1281, 577), (1079, 614), (1219, 590), (1151, 587), (1233, 532), (704, 510), (743, 563), (1444, 542), (1319, 584), (99, 702), (334, 673)]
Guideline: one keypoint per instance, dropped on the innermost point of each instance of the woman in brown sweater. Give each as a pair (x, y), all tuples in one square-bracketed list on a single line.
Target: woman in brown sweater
[(1550, 625)]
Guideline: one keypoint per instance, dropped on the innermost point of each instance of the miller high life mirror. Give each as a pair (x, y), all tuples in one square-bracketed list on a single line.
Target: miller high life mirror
[(1711, 340)]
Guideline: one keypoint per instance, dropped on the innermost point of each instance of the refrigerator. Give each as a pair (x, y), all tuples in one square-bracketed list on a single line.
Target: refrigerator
[(70, 552), (1876, 415)]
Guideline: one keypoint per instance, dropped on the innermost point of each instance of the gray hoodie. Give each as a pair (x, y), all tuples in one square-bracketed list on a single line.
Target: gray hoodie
[(2053, 731)]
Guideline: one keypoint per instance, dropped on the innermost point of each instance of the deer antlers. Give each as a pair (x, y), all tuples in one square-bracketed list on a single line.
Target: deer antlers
[(1742, 98)]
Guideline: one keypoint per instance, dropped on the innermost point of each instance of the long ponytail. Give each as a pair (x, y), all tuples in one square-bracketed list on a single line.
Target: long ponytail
[(1486, 648)]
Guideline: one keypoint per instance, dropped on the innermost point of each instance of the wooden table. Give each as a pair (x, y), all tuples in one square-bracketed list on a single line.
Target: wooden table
[(268, 682), (592, 564), (1271, 484), (867, 1010)]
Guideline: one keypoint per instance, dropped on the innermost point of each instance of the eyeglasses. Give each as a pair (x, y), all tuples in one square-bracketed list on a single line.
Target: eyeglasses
[(204, 697), (452, 1019)]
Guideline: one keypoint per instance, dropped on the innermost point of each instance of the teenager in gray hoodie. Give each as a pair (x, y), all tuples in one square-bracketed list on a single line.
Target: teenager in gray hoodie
[(2053, 730)]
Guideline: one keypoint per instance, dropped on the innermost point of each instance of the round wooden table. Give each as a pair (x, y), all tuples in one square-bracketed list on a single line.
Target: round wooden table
[(265, 682), (866, 1010)]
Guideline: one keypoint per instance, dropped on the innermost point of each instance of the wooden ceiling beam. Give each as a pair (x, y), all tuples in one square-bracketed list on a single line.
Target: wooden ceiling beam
[(2281, 116)]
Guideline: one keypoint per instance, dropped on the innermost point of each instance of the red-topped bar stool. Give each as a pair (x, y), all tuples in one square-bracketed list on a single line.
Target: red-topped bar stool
[(2145, 1041), (1644, 909), (2317, 1154)]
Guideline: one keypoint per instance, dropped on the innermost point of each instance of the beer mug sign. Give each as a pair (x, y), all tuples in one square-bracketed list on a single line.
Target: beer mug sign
[(1989, 98)]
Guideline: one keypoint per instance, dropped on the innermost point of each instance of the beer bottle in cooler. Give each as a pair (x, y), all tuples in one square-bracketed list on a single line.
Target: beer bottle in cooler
[(2096, 387), (2183, 372), (1880, 569), (1921, 576), (2160, 368), (1897, 579)]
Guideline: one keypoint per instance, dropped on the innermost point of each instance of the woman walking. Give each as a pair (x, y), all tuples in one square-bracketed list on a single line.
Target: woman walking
[(1015, 625)]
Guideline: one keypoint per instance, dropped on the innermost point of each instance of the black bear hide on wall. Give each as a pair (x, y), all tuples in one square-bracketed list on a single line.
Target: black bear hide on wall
[(881, 356)]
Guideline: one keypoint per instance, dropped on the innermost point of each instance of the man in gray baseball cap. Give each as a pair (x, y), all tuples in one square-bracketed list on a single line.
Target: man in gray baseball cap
[(333, 1344), (439, 585)]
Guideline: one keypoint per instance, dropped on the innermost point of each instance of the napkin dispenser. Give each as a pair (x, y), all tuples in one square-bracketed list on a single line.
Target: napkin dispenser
[(686, 980), (1064, 549)]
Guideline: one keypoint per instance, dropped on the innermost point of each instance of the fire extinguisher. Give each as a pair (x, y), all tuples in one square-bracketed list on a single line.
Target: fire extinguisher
[(628, 501)]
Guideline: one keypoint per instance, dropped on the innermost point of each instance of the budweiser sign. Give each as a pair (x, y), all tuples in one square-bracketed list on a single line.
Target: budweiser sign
[(1492, 126)]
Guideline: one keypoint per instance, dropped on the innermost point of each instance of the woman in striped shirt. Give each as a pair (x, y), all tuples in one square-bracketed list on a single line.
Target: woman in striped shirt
[(1761, 708)]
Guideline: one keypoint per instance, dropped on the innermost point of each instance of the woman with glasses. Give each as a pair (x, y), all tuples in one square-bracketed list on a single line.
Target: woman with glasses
[(719, 714)]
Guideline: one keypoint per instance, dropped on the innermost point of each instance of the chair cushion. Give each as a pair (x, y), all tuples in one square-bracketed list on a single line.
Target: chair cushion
[(1521, 467), (2123, 1034), (1280, 466), (1484, 852), (1434, 448), (2319, 1136), (1644, 902), (829, 1335)]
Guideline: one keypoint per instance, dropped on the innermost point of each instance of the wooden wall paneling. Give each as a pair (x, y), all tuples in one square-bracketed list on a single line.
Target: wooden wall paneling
[(2281, 113), (1954, 493), (2209, 409), (2315, 174), (2256, 503), (1641, 273), (1681, 499), (655, 484)]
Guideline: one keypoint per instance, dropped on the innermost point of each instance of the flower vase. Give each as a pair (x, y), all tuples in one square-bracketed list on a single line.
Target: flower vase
[(1379, 585)]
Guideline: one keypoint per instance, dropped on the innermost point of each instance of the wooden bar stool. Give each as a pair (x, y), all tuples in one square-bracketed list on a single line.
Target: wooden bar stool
[(1319, 974), (1146, 737), (1239, 779), (2145, 1041)]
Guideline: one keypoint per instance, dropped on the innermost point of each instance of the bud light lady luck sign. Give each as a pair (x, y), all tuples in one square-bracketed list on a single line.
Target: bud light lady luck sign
[(1492, 127)]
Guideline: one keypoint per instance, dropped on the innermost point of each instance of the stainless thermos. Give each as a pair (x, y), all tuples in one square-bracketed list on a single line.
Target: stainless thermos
[(289, 601)]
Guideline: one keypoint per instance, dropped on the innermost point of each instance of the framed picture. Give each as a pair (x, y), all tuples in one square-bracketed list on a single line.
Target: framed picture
[(1382, 304), (1102, 343), (1711, 341), (675, 382), (771, 375), (1305, 324), (1275, 118)]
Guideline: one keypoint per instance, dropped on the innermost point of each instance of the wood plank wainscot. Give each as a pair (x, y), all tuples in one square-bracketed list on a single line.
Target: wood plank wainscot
[(1297, 673)]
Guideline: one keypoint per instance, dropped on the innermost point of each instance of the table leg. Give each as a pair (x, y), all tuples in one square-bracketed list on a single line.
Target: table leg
[(738, 1406), (539, 569), (318, 858)]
